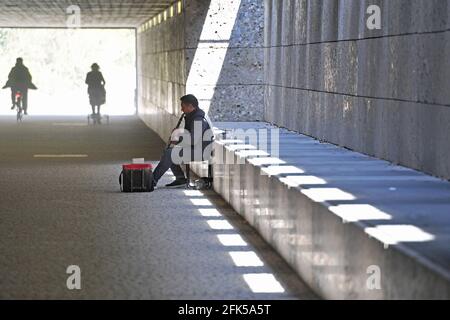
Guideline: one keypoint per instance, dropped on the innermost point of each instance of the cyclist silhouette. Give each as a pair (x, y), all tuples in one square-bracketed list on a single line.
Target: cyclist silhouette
[(96, 88), (20, 80)]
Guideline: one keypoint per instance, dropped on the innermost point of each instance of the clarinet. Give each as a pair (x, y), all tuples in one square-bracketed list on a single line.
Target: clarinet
[(178, 126)]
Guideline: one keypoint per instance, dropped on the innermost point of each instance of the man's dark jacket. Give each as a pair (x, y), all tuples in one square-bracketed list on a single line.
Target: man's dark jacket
[(20, 77), (198, 116)]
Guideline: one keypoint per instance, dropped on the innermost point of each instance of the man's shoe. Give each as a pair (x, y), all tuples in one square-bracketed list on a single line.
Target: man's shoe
[(153, 186), (177, 183)]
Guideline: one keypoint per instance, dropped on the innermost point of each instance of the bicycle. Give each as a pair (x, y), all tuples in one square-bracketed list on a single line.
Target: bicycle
[(18, 105)]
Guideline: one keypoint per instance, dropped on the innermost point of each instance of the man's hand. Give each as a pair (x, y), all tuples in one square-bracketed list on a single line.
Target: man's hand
[(175, 136)]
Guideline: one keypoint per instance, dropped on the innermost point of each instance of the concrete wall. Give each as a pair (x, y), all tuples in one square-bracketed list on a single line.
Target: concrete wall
[(161, 74), (213, 51), (380, 92)]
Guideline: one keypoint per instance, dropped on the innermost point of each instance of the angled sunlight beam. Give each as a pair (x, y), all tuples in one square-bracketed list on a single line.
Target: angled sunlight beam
[(264, 161), (327, 194), (281, 170), (394, 234), (210, 212), (296, 181), (201, 202), (263, 283), (246, 259), (251, 153), (232, 240), (236, 147), (193, 193), (219, 225), (212, 48)]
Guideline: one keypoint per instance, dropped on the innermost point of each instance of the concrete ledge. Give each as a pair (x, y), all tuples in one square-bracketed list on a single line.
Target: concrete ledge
[(338, 217)]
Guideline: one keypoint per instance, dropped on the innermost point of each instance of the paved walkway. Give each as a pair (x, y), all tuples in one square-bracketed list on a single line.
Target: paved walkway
[(171, 244)]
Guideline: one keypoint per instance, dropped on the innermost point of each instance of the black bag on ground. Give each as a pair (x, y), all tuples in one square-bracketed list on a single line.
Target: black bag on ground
[(136, 178)]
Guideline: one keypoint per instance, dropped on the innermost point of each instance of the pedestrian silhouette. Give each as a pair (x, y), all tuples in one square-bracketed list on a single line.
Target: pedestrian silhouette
[(96, 88)]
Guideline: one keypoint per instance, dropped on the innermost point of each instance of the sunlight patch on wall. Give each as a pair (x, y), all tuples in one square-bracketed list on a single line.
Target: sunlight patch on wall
[(213, 46), (263, 283)]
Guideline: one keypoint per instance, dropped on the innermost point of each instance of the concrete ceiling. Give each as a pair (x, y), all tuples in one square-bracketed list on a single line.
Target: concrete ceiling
[(94, 13)]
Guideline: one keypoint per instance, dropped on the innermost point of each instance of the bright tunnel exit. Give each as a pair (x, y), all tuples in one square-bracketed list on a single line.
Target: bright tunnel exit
[(59, 59)]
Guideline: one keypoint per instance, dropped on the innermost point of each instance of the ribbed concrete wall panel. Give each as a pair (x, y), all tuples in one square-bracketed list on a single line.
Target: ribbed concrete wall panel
[(381, 92)]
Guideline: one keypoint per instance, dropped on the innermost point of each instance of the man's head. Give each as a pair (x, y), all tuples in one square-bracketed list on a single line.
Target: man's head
[(95, 67), (189, 103), (19, 61)]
